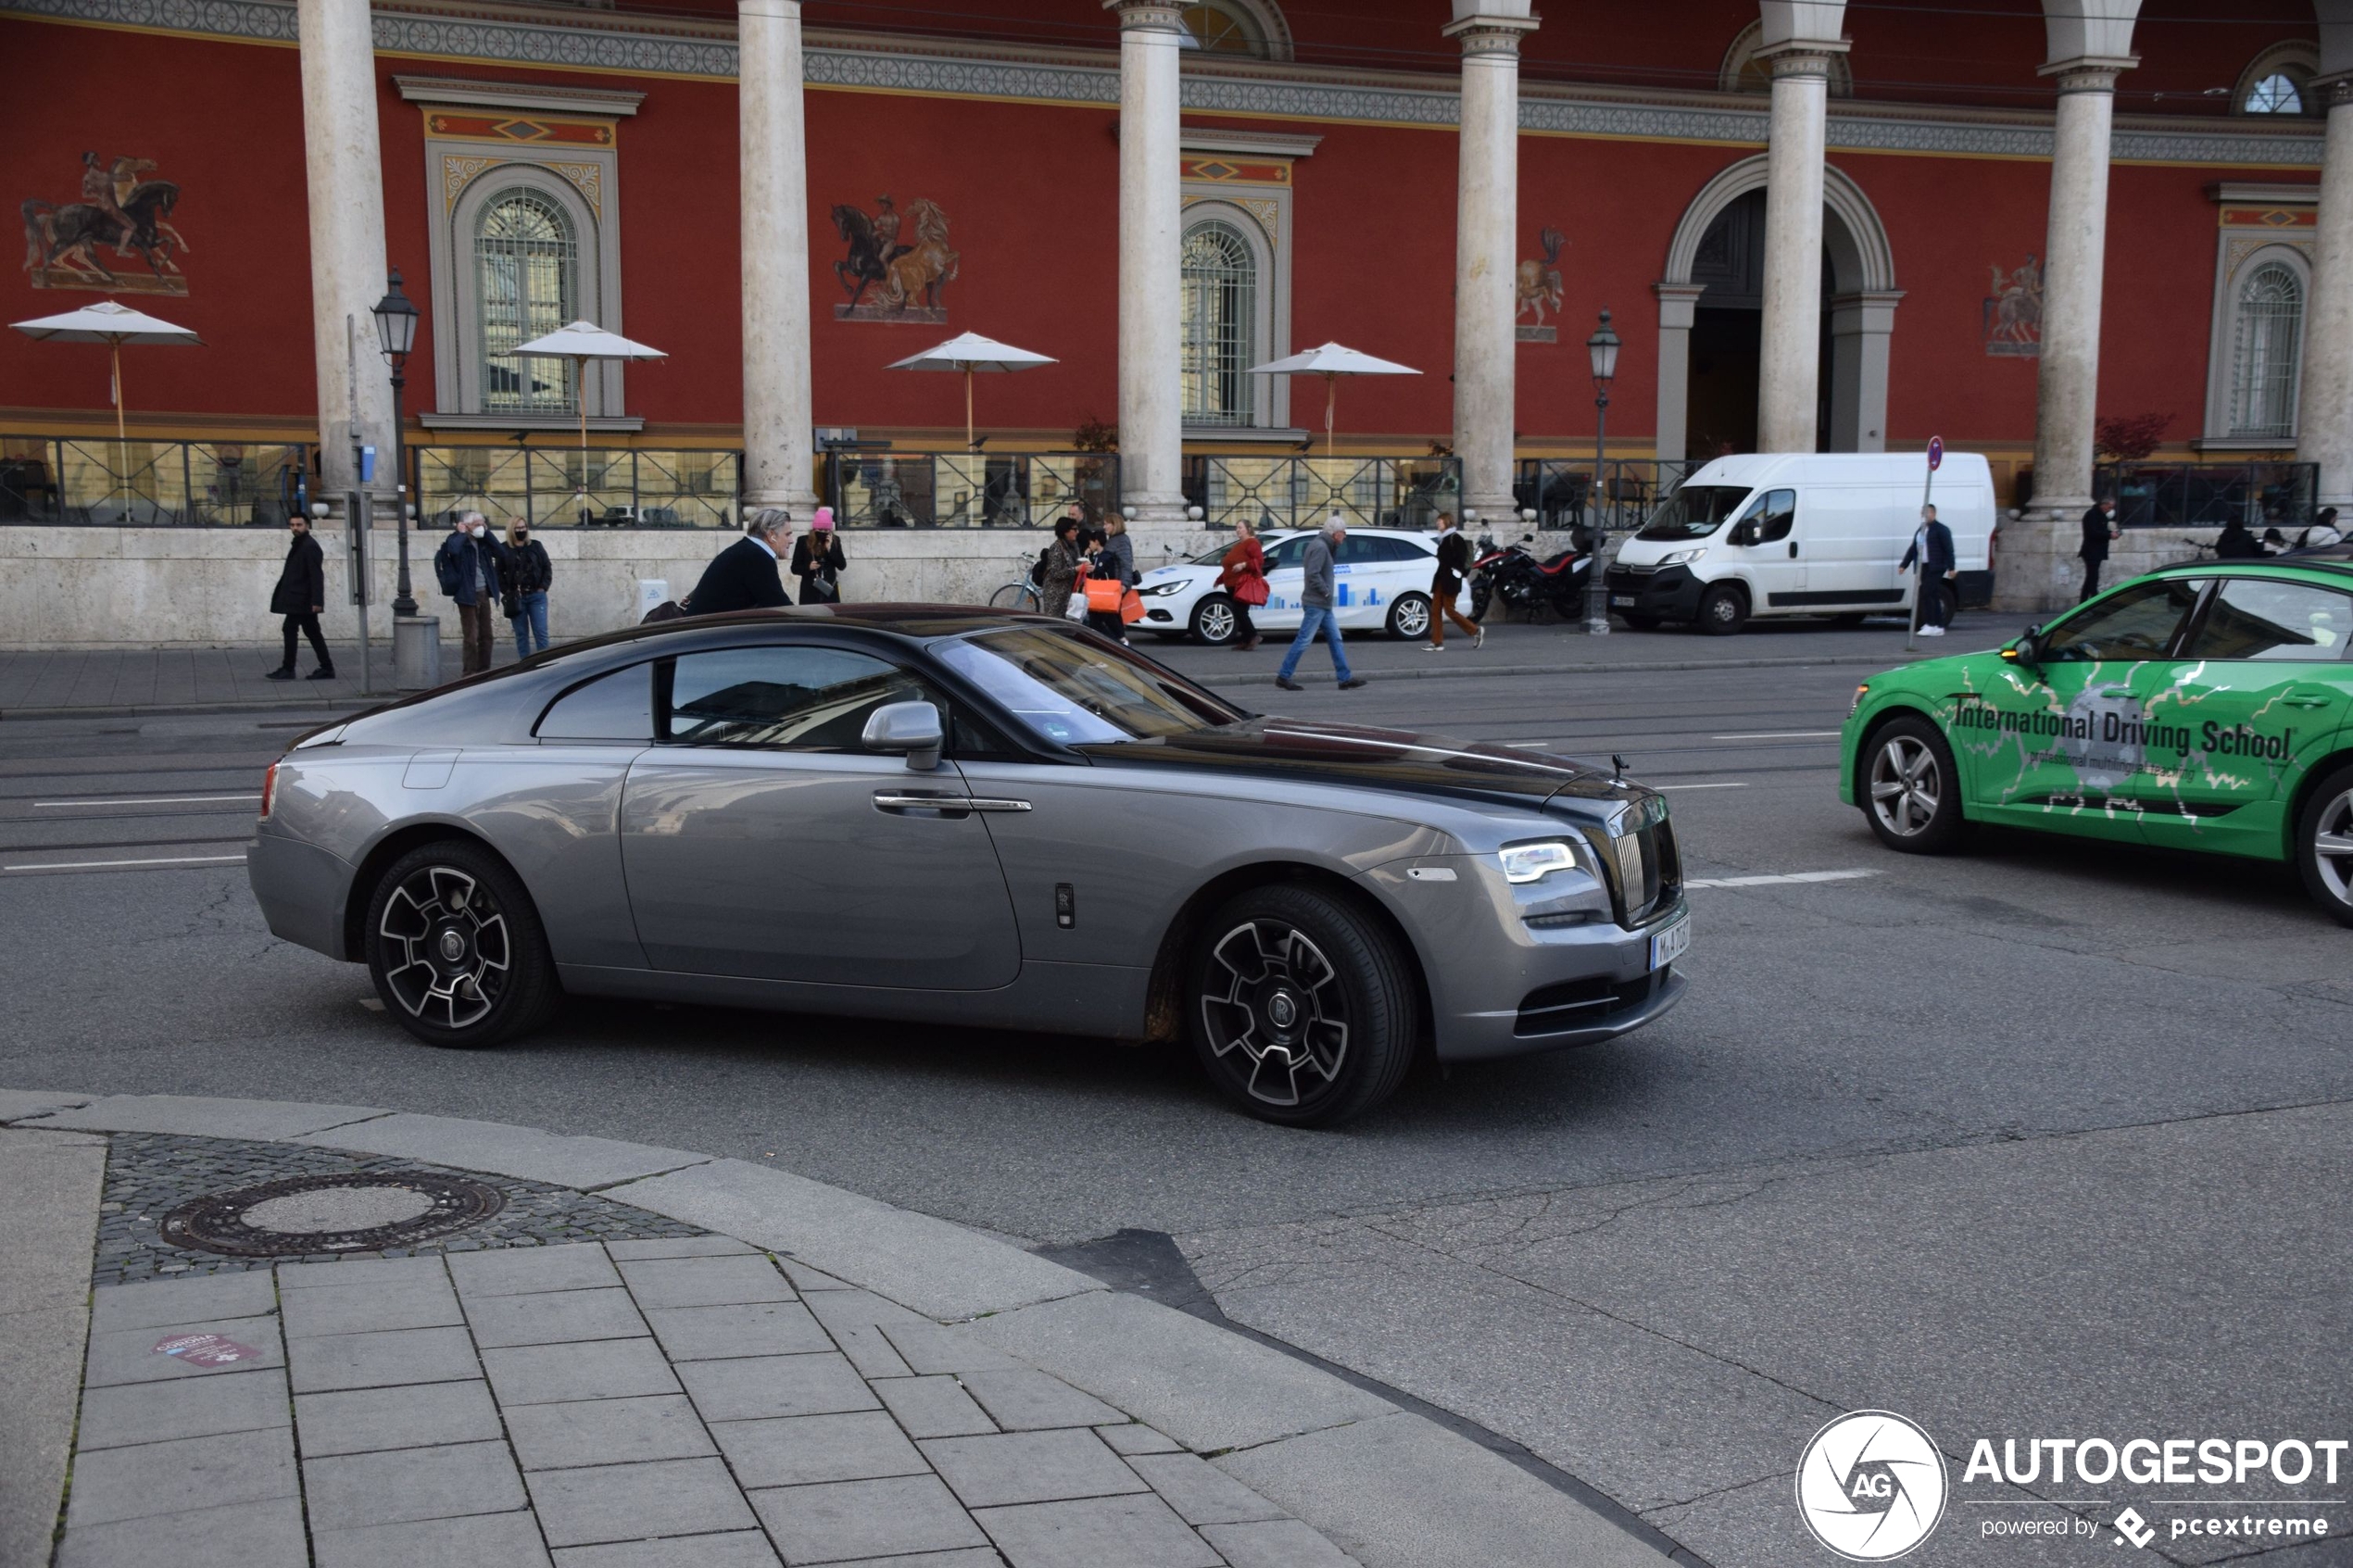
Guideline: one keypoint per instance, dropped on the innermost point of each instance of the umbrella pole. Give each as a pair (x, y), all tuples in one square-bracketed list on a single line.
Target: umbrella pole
[(580, 397), (122, 440), (1331, 402), (968, 407)]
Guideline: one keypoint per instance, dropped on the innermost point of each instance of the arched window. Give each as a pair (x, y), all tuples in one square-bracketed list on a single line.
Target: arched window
[(2278, 81), (2276, 93), (1744, 72), (1250, 28), (1220, 324), (2267, 352), (527, 268)]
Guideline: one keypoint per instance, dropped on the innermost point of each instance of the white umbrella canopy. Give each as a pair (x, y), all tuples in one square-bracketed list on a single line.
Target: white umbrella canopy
[(581, 341), (1331, 361), (969, 352), (113, 325)]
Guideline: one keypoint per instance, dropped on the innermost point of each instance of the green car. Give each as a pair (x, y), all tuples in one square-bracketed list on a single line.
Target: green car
[(2205, 706)]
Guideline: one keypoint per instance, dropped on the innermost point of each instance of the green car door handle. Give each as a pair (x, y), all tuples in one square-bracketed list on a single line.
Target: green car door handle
[(2306, 699)]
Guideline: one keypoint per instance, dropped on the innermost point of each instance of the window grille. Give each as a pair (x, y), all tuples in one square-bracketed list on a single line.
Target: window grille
[(2276, 93), (2267, 352), (528, 265), (1225, 29), (1220, 322)]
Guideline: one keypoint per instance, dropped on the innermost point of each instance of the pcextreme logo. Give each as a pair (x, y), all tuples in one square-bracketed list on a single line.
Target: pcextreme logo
[(1870, 1486)]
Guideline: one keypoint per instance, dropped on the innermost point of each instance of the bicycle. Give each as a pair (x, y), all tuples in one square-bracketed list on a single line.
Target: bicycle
[(1021, 594), (2200, 551)]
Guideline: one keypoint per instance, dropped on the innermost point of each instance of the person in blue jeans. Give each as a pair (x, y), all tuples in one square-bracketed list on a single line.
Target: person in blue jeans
[(525, 576), (1315, 599)]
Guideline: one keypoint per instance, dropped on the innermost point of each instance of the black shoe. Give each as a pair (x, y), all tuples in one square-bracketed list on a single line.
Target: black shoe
[(324, 672), (285, 675), (1351, 683), (1289, 685)]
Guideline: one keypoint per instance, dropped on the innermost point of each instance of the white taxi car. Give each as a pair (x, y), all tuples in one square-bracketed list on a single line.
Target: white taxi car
[(1380, 583)]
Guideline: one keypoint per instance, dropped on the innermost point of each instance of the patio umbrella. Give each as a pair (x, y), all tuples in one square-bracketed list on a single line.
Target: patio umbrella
[(581, 341), (973, 352), (1332, 361), (113, 325)]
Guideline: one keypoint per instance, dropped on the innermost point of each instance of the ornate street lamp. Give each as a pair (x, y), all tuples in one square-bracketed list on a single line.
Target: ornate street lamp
[(1603, 346), (396, 335)]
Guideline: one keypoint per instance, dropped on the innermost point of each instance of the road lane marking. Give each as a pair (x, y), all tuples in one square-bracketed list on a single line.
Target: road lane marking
[(1783, 880), (1741, 786), (1783, 735), (118, 865), (148, 799)]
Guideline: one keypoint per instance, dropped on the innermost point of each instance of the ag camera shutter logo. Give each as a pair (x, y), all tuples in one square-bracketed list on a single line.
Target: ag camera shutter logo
[(1870, 1486)]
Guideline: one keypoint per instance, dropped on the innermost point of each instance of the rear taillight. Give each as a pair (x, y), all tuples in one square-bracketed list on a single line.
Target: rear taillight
[(269, 791)]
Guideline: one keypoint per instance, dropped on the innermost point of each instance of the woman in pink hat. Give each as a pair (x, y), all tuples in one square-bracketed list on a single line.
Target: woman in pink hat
[(817, 561)]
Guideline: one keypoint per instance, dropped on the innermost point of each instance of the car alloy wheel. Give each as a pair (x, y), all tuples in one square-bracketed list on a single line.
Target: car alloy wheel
[(1214, 621), (1409, 617), (1910, 786), (1281, 1006), (449, 948), (2324, 845)]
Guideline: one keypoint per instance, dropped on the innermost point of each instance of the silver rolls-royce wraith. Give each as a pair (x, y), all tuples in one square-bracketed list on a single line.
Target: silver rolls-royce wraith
[(944, 815)]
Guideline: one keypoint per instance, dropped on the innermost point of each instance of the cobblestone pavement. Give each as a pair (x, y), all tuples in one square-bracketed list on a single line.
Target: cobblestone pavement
[(627, 1403), (149, 1174)]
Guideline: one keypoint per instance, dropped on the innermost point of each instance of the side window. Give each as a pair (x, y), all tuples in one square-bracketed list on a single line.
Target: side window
[(1399, 552), (796, 698), (616, 707), (1779, 515), (1287, 553), (2260, 618), (1358, 549), (2136, 623)]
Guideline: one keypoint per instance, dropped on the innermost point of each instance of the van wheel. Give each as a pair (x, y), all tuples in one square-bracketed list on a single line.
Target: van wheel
[(1723, 610), (456, 950), (2324, 845), (1911, 790), (1214, 621)]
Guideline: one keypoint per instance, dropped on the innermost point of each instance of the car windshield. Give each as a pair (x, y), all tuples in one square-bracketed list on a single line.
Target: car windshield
[(1073, 690), (1693, 512), (1215, 554)]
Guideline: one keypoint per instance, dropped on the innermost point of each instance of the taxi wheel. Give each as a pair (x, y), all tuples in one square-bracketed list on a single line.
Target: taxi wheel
[(456, 950), (1409, 617), (2324, 845), (1213, 620), (1723, 610), (1911, 789), (1303, 1011)]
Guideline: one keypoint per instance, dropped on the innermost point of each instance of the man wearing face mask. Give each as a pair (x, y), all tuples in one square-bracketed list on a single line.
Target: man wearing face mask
[(468, 565)]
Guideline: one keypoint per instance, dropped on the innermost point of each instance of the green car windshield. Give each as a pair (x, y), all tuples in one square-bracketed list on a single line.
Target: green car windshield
[(1693, 512), (1074, 690)]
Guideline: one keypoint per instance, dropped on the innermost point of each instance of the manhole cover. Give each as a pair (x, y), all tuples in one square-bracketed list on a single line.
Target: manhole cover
[(348, 1213)]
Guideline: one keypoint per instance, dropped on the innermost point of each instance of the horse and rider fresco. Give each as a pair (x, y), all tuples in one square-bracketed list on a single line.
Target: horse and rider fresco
[(897, 262), (123, 217)]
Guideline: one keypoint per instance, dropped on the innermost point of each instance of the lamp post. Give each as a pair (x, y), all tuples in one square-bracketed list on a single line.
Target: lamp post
[(396, 335), (1603, 348)]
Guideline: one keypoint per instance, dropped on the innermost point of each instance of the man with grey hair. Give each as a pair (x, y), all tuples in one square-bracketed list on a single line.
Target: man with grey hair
[(1318, 595), (744, 575), (467, 565)]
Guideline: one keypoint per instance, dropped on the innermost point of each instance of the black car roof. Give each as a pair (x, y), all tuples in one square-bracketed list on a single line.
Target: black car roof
[(918, 622)]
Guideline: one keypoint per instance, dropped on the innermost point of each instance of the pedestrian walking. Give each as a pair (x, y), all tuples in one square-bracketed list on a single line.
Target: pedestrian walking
[(2099, 527), (467, 565), (1453, 565), (1932, 551), (300, 595), (1316, 597), (1058, 565), (1121, 548), (817, 561), (1241, 572), (1100, 580), (2236, 542), (525, 576), (744, 575)]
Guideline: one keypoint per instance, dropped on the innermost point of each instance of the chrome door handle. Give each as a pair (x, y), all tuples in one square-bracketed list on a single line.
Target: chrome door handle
[(900, 801), (986, 803)]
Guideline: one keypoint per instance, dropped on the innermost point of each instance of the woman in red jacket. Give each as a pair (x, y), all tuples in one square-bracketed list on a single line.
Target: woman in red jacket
[(1242, 574)]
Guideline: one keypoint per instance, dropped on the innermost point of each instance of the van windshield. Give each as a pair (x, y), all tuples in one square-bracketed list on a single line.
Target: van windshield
[(1693, 512)]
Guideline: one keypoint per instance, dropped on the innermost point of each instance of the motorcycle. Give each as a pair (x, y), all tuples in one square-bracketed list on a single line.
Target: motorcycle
[(1539, 589)]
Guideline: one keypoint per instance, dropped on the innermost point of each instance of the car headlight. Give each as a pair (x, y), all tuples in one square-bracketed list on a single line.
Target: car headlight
[(1681, 558), (1160, 590), (1856, 706), (1533, 863)]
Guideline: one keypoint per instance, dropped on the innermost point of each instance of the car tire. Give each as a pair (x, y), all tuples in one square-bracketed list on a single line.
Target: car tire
[(1213, 622), (1303, 1009), (1409, 617), (1723, 610), (456, 949), (2327, 817), (1911, 790), (1638, 622)]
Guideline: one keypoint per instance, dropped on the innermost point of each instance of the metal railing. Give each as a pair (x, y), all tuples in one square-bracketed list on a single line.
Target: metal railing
[(102, 483), (1297, 492), (1562, 493), (2261, 495), (603, 487), (888, 489)]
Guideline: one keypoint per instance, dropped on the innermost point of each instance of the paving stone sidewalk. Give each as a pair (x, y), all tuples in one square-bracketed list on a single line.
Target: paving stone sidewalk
[(624, 1404)]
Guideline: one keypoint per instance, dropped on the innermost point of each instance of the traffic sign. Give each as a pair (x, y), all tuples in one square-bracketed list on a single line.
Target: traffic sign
[(1935, 453)]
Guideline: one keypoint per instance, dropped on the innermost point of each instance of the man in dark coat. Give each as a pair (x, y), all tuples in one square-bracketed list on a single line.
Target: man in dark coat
[(300, 595), (467, 565), (1933, 549), (2099, 527), (744, 575)]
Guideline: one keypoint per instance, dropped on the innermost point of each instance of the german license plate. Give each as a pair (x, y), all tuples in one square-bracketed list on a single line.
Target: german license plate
[(1622, 601), (1668, 945)]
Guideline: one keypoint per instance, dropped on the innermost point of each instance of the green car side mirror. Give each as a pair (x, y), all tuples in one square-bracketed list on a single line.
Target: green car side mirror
[(2027, 650)]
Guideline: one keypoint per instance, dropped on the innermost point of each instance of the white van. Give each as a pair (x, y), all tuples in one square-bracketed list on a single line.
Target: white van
[(1796, 533)]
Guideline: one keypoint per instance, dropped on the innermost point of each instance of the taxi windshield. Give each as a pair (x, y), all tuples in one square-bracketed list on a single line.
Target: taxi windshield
[(1073, 690), (1693, 512)]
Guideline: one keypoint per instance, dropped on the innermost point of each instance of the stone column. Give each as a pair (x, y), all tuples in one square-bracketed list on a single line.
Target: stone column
[(1486, 224), (1152, 415), (345, 179), (1860, 327), (779, 410), (2325, 411), (2035, 565), (1678, 303), (1789, 373)]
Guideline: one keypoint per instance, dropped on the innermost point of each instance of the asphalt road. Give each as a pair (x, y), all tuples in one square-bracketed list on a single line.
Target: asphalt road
[(2039, 1140)]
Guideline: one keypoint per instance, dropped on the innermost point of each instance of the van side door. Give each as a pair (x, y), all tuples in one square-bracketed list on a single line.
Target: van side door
[(1762, 547), (1855, 534)]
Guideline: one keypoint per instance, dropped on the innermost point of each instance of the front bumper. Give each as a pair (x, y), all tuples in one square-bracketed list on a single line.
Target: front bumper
[(301, 889), (1669, 593)]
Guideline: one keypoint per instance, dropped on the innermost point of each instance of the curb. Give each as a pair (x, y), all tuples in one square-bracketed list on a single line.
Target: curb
[(1388, 1485), (169, 709), (1457, 673)]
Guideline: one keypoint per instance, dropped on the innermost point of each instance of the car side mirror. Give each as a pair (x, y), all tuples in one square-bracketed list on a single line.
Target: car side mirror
[(2027, 650), (1743, 534), (908, 727)]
